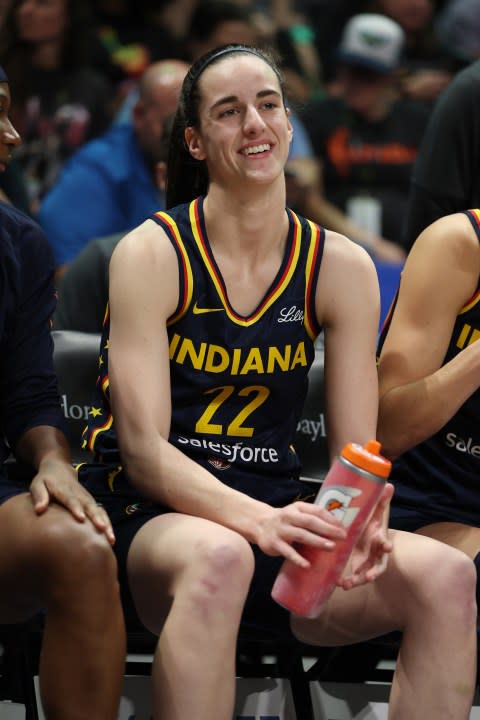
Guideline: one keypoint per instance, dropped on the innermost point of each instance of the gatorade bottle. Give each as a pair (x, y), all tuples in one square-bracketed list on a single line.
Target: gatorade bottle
[(350, 491)]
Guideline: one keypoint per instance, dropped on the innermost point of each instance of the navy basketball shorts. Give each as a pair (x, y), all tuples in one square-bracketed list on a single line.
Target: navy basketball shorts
[(128, 514), (406, 517)]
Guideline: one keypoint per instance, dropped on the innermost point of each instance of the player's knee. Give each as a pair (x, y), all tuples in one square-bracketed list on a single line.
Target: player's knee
[(223, 572), (457, 581), (70, 549)]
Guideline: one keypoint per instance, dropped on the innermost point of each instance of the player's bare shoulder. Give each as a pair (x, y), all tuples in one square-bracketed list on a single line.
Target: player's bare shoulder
[(343, 256), (448, 248), (146, 248), (347, 280)]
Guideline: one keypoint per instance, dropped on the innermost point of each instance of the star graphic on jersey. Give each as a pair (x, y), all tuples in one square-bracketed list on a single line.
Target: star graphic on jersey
[(95, 412)]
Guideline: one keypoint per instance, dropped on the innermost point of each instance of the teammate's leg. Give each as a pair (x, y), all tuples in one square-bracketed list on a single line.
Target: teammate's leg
[(428, 592), (66, 568)]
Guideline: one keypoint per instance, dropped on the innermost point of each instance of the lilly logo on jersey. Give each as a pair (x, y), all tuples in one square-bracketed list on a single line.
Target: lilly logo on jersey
[(467, 446), (291, 314), (337, 500)]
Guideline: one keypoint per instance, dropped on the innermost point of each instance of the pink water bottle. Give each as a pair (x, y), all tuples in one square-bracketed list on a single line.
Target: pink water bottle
[(350, 491)]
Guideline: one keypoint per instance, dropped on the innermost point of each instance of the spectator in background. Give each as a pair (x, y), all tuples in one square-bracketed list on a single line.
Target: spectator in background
[(210, 23), (367, 138), (296, 42), (458, 29), (174, 15), (132, 38), (217, 22), (83, 287), (327, 18), (55, 553), (427, 65), (446, 177), (61, 101), (109, 185)]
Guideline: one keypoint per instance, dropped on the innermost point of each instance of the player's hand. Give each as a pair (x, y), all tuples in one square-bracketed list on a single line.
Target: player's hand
[(299, 523), (370, 555), (57, 481)]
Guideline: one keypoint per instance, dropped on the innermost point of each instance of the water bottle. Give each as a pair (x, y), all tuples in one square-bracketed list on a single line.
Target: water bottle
[(350, 492)]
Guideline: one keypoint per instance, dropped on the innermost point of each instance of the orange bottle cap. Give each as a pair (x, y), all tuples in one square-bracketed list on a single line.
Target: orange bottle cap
[(368, 457)]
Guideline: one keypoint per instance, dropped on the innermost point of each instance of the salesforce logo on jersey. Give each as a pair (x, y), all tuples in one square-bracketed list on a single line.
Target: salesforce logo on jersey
[(467, 446)]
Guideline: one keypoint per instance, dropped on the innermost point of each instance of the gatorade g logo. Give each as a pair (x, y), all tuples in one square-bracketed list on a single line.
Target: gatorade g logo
[(337, 500)]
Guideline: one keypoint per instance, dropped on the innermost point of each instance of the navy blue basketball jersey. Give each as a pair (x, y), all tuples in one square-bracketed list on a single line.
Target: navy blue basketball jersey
[(444, 470), (238, 383)]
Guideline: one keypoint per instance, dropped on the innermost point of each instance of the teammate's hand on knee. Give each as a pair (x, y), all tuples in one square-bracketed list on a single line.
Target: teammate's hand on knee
[(57, 481)]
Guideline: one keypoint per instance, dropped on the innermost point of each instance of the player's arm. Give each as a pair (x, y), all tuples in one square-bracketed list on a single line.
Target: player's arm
[(347, 305), (417, 395)]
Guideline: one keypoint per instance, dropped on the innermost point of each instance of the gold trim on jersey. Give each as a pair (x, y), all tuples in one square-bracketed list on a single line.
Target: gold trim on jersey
[(186, 269), (471, 303), (473, 215), (476, 214), (90, 443), (218, 283), (311, 323)]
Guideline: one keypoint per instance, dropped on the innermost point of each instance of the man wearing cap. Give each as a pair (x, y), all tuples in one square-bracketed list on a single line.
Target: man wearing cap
[(366, 134), (55, 556)]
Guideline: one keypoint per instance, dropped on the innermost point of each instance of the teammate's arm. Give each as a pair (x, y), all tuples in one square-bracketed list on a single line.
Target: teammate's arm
[(347, 305), (417, 395)]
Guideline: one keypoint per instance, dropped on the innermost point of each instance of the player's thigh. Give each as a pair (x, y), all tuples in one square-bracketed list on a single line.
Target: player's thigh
[(458, 535), (404, 592)]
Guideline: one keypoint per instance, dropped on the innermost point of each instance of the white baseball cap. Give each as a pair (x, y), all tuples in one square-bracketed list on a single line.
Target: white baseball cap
[(372, 41)]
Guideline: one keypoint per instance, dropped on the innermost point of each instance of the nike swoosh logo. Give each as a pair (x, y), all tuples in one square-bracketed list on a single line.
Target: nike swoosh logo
[(202, 311)]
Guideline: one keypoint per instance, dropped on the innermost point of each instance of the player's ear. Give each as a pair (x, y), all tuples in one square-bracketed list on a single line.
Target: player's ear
[(290, 127), (194, 143)]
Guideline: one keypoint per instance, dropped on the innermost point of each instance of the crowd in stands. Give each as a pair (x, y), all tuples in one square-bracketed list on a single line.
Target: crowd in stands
[(359, 111)]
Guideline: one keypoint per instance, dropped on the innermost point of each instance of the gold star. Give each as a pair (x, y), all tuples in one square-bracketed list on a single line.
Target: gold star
[(95, 412)]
